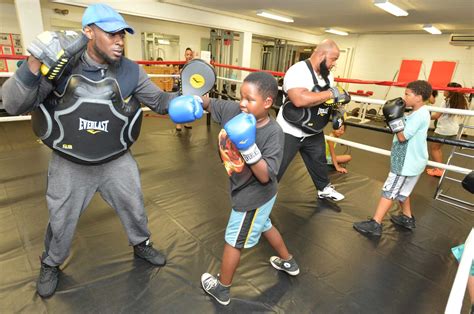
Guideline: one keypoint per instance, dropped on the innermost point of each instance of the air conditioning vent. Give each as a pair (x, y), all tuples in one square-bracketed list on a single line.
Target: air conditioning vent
[(462, 40)]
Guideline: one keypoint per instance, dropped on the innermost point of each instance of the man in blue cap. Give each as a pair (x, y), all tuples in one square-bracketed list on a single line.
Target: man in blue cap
[(85, 98)]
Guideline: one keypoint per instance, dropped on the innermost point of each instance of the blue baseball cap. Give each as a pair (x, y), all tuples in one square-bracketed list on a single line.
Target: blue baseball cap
[(105, 18)]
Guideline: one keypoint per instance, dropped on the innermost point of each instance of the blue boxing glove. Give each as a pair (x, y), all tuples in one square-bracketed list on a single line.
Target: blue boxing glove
[(184, 109), (242, 130)]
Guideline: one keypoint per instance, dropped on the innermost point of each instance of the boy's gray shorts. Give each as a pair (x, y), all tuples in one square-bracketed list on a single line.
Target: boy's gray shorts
[(398, 187)]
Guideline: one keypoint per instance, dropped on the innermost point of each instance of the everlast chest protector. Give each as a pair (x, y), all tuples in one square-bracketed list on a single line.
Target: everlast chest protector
[(311, 120), (90, 122)]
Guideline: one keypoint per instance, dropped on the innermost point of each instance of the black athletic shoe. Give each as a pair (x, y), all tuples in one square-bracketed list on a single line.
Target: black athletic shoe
[(146, 251), (404, 221), (47, 280), (368, 227), (215, 288)]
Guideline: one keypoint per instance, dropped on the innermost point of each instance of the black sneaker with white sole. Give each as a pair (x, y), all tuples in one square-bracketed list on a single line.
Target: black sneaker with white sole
[(288, 266), (215, 288)]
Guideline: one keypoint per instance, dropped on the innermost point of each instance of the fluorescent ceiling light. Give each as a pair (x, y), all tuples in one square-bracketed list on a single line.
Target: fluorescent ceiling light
[(390, 8), (163, 41), (273, 16), (335, 31), (431, 29)]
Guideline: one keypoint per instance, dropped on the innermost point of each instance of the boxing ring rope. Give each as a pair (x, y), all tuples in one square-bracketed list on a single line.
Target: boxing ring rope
[(164, 75), (458, 289), (6, 74), (15, 118), (464, 112), (385, 152), (355, 98), (460, 143), (274, 73)]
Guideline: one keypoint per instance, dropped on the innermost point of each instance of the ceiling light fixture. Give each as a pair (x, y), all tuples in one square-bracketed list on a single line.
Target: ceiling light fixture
[(390, 8), (335, 31), (163, 41), (274, 16), (431, 29)]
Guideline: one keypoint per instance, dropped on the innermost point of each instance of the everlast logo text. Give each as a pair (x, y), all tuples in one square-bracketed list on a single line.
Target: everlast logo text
[(93, 126), (322, 111)]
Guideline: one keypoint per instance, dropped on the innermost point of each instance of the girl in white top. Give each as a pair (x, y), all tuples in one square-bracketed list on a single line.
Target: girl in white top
[(447, 124)]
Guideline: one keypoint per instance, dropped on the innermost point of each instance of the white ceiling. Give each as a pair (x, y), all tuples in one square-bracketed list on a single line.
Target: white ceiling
[(353, 16)]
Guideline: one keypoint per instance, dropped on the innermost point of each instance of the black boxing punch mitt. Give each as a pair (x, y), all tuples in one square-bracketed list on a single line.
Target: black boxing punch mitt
[(55, 49)]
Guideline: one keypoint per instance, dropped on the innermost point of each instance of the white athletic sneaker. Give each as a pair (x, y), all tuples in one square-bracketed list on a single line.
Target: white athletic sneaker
[(330, 193)]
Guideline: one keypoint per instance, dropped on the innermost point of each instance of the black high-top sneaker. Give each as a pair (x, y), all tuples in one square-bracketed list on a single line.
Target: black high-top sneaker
[(146, 251), (47, 280)]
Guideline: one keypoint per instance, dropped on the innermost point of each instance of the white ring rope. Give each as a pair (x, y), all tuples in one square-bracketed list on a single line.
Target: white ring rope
[(373, 101), (368, 100), (6, 74), (164, 75), (229, 79), (464, 112), (387, 153), (15, 118), (458, 290)]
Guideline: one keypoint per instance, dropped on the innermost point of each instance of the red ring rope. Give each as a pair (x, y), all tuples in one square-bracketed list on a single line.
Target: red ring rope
[(464, 90)]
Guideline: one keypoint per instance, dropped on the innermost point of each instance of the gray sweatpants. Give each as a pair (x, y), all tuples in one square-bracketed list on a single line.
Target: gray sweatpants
[(71, 187)]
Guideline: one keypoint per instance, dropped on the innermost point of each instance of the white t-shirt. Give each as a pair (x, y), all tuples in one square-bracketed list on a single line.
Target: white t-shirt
[(298, 76), (448, 124)]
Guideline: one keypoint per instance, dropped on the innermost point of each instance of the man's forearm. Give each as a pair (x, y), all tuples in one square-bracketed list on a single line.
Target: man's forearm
[(22, 92)]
